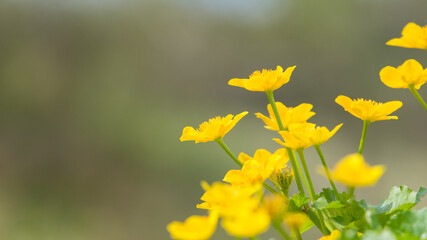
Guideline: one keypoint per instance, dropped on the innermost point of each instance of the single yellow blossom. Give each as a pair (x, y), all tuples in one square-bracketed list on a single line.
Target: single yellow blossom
[(367, 109), (409, 73), (353, 171), (321, 134), (304, 135), (296, 219), (413, 36), (288, 115), (265, 80), (296, 137), (257, 169), (247, 222), (194, 227), (228, 199), (211, 130), (333, 236)]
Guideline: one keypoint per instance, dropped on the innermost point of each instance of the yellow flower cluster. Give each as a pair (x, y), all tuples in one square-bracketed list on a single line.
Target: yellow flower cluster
[(240, 208), (239, 202), (410, 74)]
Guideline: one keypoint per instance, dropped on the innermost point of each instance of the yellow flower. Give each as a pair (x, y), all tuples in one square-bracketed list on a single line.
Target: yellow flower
[(409, 73), (288, 115), (296, 220), (333, 236), (247, 222), (321, 134), (228, 199), (296, 137), (413, 36), (304, 135), (194, 227), (368, 109), (265, 80), (213, 129), (353, 171), (257, 169)]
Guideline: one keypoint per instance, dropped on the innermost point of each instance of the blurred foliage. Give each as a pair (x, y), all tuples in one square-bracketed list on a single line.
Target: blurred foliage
[(94, 96)]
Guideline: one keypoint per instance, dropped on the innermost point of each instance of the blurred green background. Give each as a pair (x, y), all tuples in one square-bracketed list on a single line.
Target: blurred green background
[(94, 95)]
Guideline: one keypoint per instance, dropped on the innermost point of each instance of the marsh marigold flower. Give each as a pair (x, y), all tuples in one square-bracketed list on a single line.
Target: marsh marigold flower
[(265, 80), (304, 135), (367, 109), (353, 171), (194, 227), (288, 115), (211, 130), (227, 198), (257, 169), (413, 36), (409, 73), (247, 222)]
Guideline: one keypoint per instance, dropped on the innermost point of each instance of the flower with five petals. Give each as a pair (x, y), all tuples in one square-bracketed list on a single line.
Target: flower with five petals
[(410, 73), (368, 110)]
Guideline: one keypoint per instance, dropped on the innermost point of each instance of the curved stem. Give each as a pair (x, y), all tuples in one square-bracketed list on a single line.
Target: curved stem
[(417, 96), (362, 139), (227, 150), (328, 174)]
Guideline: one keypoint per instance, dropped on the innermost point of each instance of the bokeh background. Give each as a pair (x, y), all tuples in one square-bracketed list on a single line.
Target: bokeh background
[(94, 95)]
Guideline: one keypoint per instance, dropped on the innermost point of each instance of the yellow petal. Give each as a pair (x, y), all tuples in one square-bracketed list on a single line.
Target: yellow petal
[(392, 78)]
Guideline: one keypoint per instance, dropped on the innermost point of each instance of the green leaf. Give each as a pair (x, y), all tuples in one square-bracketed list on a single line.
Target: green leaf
[(410, 224), (400, 199), (322, 203), (382, 235), (297, 201)]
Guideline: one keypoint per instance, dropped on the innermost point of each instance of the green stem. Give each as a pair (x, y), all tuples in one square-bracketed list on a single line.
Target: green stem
[(227, 150), (291, 154), (362, 139), (295, 164), (417, 96), (296, 170), (311, 188), (252, 238), (350, 192), (270, 97), (328, 174), (307, 174), (297, 233), (282, 231)]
